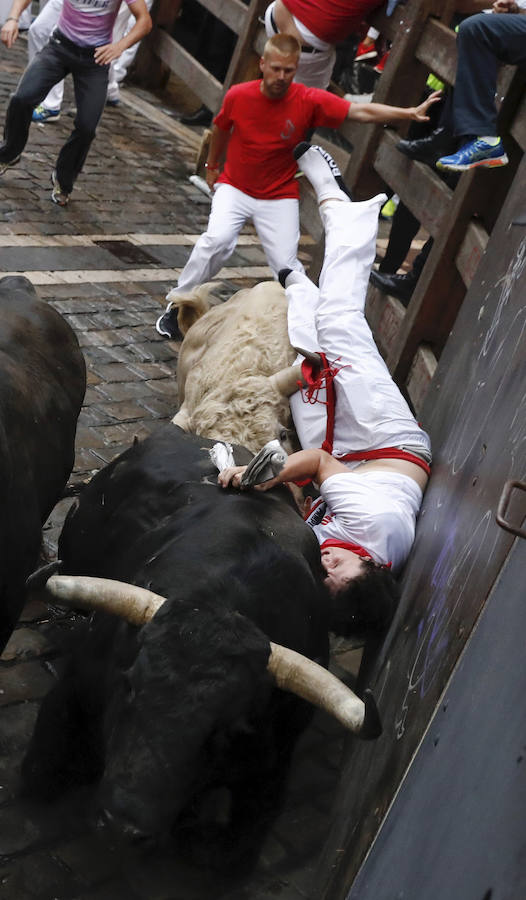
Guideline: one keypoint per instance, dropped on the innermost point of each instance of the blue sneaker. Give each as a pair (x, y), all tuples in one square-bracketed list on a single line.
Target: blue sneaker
[(476, 153), (41, 114)]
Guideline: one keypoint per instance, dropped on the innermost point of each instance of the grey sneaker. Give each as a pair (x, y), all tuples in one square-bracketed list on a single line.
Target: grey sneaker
[(4, 166), (58, 196)]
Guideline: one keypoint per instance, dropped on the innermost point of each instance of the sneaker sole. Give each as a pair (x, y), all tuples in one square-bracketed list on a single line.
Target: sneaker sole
[(46, 120), (363, 56), (482, 163)]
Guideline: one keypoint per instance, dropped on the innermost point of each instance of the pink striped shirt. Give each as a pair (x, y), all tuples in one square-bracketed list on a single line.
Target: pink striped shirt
[(89, 23)]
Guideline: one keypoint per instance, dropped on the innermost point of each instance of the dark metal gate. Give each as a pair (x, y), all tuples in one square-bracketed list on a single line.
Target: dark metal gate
[(476, 412)]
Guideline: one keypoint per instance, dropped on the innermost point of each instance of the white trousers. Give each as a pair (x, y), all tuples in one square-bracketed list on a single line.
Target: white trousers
[(314, 69), (47, 20), (276, 223), (371, 413)]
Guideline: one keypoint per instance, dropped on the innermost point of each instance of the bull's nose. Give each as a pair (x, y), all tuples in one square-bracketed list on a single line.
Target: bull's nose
[(128, 831)]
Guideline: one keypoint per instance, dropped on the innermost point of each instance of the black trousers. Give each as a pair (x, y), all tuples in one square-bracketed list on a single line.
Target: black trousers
[(56, 60), (483, 42)]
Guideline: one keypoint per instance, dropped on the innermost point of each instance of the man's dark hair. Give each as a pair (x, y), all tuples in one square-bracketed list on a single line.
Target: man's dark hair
[(367, 603)]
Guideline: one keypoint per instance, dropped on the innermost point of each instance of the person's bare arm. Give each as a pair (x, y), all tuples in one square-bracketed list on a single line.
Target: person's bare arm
[(9, 32), (316, 465), (216, 152), (143, 24), (380, 112)]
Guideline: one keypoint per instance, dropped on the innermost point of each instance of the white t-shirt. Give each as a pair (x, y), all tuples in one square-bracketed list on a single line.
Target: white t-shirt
[(375, 509)]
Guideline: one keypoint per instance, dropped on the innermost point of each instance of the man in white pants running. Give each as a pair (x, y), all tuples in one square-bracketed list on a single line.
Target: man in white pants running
[(362, 445)]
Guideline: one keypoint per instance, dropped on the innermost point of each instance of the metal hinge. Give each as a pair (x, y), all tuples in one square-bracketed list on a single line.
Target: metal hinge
[(503, 507)]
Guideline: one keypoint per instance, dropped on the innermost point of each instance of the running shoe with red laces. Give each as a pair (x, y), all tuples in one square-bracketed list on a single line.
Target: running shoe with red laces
[(365, 51), (381, 65)]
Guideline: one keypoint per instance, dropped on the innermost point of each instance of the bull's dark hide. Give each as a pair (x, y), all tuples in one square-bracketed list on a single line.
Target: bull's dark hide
[(42, 385), (161, 715)]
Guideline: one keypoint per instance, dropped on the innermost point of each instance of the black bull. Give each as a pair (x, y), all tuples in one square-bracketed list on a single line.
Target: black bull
[(159, 716), (42, 385)]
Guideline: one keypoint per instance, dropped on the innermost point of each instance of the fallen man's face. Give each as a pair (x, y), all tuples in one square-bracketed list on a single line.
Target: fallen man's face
[(341, 567)]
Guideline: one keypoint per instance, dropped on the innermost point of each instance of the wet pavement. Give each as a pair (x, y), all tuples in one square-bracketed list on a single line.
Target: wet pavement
[(106, 262)]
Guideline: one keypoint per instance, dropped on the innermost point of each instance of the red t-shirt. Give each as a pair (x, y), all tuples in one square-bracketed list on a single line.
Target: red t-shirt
[(331, 20), (259, 158)]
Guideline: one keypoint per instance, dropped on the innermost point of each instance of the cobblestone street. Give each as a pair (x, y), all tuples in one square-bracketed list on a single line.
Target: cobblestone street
[(106, 262)]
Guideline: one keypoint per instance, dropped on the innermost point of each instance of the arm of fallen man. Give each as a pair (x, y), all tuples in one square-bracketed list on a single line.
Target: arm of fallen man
[(315, 465)]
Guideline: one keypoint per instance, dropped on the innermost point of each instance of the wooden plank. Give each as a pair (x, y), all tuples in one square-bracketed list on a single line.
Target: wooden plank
[(422, 191), (437, 50), (471, 251), (180, 61), (420, 377), (518, 127), (245, 43), (231, 13), (187, 137), (440, 290)]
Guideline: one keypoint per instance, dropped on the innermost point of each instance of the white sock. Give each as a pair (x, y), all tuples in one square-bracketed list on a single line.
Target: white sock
[(323, 174)]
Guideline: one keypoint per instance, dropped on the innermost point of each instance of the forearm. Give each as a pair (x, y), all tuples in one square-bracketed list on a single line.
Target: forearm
[(381, 113), (9, 32), (314, 465), (18, 8), (142, 27), (217, 148)]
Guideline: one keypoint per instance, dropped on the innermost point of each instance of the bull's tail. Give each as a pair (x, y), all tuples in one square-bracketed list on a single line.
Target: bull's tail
[(191, 305)]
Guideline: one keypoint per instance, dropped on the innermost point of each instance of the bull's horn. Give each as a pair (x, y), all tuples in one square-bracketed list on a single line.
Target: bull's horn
[(290, 670), (285, 382), (304, 677), (135, 604)]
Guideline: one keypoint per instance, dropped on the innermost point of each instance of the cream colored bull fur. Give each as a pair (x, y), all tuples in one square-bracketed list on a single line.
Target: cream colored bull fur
[(225, 373)]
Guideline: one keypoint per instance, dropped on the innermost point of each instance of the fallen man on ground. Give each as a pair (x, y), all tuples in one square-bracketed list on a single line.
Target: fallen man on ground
[(362, 444)]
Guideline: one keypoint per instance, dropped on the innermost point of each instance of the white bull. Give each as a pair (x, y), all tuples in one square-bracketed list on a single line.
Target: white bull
[(227, 363)]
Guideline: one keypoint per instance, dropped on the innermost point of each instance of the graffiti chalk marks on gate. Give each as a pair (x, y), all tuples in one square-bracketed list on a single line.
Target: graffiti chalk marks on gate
[(515, 270), (501, 348), (433, 629)]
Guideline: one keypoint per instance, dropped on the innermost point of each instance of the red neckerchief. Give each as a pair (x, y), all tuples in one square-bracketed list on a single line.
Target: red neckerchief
[(355, 548)]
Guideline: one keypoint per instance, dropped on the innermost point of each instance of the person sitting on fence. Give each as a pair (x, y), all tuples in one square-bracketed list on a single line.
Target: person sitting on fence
[(257, 127), (81, 44), (374, 461), (483, 42), (318, 25)]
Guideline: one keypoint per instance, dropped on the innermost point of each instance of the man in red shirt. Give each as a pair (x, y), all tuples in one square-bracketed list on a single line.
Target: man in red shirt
[(257, 128)]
